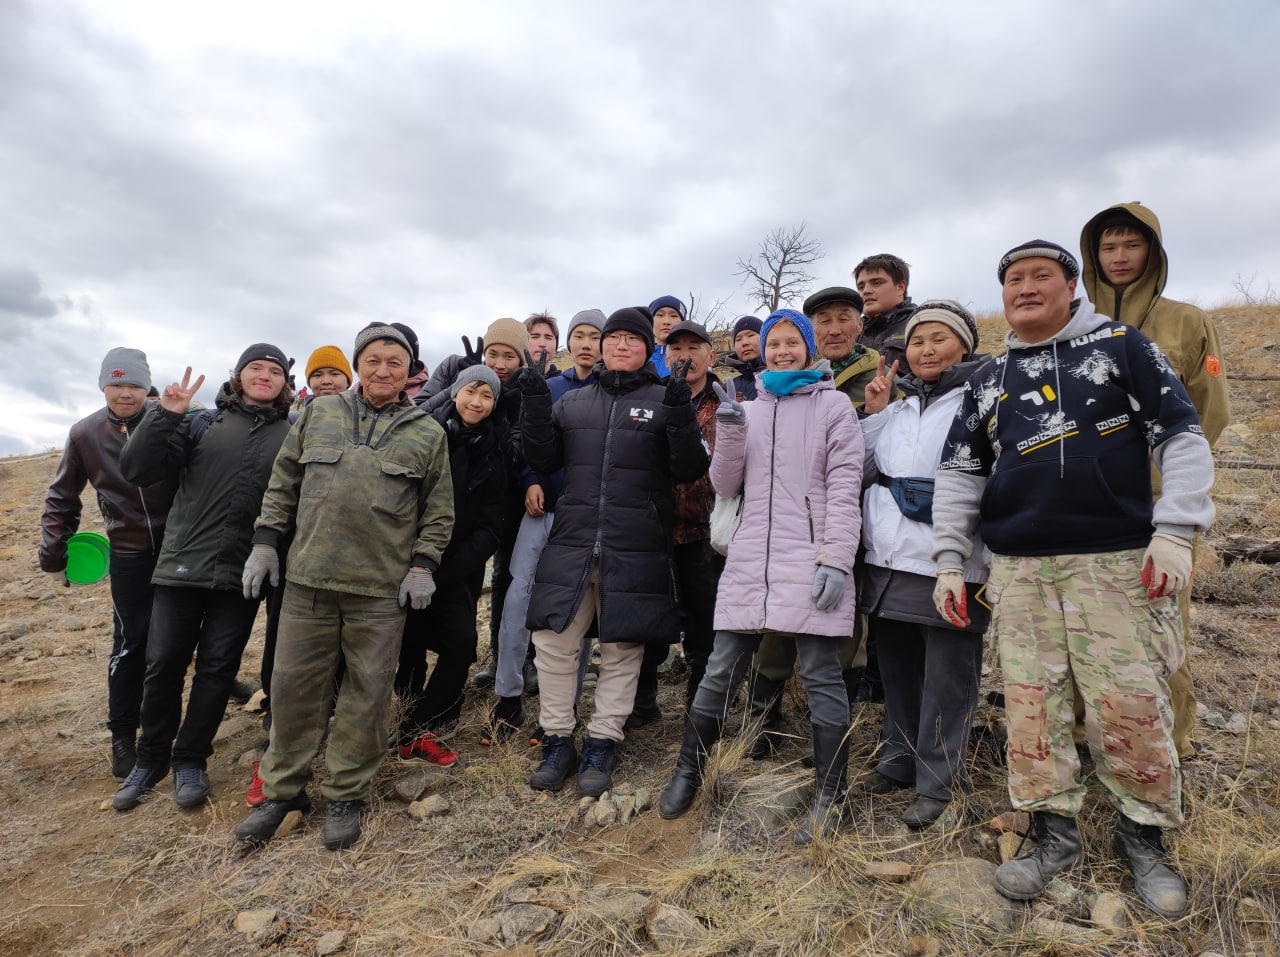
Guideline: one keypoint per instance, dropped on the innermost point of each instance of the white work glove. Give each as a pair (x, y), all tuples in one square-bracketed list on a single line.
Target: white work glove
[(417, 588), (828, 588), (950, 598), (263, 564), (1166, 565), (731, 411)]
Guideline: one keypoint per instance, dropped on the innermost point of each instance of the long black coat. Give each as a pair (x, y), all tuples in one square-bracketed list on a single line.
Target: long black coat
[(621, 448), (476, 463)]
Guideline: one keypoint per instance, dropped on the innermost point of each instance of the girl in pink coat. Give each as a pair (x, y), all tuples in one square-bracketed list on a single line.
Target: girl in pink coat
[(795, 457)]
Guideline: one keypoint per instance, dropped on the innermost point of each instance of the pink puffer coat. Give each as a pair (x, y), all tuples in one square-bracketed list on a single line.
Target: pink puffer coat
[(798, 465)]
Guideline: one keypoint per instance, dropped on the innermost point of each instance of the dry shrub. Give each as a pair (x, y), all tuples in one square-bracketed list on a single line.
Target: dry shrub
[(1238, 583)]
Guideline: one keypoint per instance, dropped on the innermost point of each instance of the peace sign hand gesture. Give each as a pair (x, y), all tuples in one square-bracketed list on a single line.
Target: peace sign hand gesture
[(177, 396), (880, 389), (472, 357), (532, 379), (679, 392)]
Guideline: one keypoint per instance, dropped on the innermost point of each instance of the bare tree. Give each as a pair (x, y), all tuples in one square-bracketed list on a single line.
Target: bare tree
[(776, 274), (711, 318)]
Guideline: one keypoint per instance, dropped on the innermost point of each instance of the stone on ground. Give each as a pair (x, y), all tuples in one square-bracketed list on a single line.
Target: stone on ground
[(1110, 913), (673, 930), (888, 871), (254, 921), (961, 890), (772, 799), (525, 922), (330, 943), (433, 805)]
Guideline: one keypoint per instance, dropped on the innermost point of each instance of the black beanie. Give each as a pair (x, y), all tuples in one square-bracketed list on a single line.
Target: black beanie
[(634, 319), (415, 364), (267, 353)]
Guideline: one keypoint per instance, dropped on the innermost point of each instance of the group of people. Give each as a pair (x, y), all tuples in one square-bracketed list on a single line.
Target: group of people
[(889, 487)]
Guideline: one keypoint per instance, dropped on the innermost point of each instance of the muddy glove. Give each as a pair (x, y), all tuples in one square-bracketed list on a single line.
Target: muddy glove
[(417, 588), (949, 597), (1166, 565), (828, 588), (678, 389), (263, 563), (731, 411), (532, 379)]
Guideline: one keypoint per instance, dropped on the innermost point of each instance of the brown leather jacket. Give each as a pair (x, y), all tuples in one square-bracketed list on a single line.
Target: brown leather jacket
[(694, 500)]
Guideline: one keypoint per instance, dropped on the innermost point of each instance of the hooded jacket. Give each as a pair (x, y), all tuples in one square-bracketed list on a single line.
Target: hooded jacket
[(798, 465), (1052, 448), (621, 449), (744, 383), (221, 477), (478, 469), (887, 332), (854, 373), (134, 516), (1185, 334)]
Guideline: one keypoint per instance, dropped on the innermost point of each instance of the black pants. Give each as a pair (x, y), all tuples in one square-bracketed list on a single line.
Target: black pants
[(212, 625), (448, 627), (698, 568), (131, 598), (500, 581)]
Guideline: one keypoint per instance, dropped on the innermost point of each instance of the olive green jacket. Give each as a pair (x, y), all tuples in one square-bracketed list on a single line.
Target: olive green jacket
[(365, 493), (852, 379)]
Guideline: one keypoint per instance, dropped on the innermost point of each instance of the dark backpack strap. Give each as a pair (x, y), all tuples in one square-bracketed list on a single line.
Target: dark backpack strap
[(200, 423)]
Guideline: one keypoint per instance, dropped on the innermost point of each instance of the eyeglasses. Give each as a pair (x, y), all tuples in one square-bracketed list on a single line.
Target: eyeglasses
[(622, 339)]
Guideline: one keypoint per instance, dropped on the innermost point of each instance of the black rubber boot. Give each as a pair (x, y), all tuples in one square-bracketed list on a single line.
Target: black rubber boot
[(1056, 849), (1159, 885), (766, 710), (831, 772), (701, 731)]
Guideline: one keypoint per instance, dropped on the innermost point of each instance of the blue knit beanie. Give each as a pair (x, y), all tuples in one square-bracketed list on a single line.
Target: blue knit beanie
[(672, 302), (798, 320), (745, 322)]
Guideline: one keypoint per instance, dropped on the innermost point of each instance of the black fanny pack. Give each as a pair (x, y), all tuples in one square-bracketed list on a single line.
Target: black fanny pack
[(914, 496)]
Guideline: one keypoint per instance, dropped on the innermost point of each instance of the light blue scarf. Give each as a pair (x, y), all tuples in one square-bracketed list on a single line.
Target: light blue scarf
[(786, 381)]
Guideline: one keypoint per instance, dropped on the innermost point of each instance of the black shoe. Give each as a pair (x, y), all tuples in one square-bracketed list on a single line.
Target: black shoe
[(595, 773), (645, 711), (530, 674), (261, 826), (924, 811), (342, 824), (830, 771), (559, 760), (241, 691), (701, 731), (124, 755), (504, 721), (877, 783), (190, 786), (870, 691), (1056, 849), (139, 783), (485, 677), (1159, 885)]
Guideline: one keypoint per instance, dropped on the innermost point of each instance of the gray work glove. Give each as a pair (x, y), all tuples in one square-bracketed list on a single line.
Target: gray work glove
[(263, 563), (731, 411), (417, 588), (828, 588)]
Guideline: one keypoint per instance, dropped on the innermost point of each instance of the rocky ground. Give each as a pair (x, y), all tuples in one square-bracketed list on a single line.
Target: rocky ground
[(470, 861)]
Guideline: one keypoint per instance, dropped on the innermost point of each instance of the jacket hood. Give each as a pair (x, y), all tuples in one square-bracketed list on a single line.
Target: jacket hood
[(952, 378), (1083, 321), (1132, 304)]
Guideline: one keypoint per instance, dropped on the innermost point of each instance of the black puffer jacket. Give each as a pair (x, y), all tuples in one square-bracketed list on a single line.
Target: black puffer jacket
[(621, 449), (887, 333), (221, 480), (479, 484)]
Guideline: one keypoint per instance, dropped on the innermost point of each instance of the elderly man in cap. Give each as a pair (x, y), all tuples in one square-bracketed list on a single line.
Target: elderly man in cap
[(363, 484), (1049, 458)]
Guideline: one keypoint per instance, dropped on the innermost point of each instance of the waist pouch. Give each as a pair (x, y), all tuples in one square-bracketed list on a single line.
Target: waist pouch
[(914, 496)]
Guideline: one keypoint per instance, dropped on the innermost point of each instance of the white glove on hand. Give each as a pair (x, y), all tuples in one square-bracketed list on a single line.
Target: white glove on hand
[(1166, 565), (263, 564), (731, 411), (950, 598), (828, 588), (417, 588)]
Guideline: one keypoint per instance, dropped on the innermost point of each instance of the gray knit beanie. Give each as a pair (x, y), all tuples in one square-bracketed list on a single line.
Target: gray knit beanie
[(375, 332), (588, 317), (123, 366), (476, 373)]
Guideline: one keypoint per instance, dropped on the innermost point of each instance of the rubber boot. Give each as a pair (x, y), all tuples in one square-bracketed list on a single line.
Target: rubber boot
[(831, 771), (1159, 885), (766, 711), (701, 731), (1056, 849)]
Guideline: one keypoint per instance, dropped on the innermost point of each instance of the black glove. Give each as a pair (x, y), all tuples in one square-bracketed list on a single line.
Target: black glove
[(470, 358), (532, 379), (678, 390)]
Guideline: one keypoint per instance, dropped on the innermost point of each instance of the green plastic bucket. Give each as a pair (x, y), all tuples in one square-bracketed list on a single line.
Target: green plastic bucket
[(88, 558)]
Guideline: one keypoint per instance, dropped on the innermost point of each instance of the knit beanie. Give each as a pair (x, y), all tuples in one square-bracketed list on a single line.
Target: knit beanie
[(122, 366), (329, 357), (415, 363), (745, 323), (476, 373), (799, 321), (830, 295), (509, 333), (376, 332), (547, 320), (1039, 247), (265, 352), (952, 315), (670, 302), (636, 320), (587, 317)]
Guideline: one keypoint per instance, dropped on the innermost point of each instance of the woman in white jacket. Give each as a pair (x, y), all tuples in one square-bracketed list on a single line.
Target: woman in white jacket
[(930, 666)]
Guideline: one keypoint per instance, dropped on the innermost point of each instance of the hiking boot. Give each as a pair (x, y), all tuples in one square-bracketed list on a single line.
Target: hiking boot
[(504, 721), (559, 760), (261, 826), (924, 811), (342, 824), (877, 783), (830, 771), (701, 731), (241, 691), (595, 773), (254, 797), (1159, 885), (190, 786), (124, 755), (137, 784), (645, 711), (427, 747), (1056, 849), (529, 672), (486, 676)]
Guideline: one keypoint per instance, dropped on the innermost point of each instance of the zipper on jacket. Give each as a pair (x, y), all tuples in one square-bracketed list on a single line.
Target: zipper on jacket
[(604, 482), (768, 540), (809, 510), (146, 514)]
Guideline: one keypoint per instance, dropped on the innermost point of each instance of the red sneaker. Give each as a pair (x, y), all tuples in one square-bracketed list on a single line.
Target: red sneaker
[(255, 797), (429, 748)]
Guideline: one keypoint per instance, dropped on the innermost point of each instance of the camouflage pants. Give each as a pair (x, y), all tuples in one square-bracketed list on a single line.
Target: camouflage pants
[(1087, 617)]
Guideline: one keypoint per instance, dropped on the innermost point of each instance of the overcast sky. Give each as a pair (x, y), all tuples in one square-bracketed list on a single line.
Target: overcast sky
[(191, 178)]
